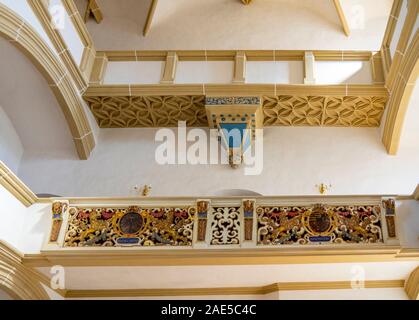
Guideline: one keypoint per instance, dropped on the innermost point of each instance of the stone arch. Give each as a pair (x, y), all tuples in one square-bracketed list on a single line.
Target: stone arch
[(26, 39), (16, 279), (404, 85)]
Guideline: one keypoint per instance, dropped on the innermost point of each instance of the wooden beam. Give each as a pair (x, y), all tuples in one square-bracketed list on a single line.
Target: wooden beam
[(150, 16), (342, 17), (94, 10)]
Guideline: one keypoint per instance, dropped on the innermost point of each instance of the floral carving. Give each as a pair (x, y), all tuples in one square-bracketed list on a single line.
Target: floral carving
[(225, 225), (317, 224), (109, 227)]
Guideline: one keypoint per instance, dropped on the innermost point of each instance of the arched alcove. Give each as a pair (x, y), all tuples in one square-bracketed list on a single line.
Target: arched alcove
[(14, 29)]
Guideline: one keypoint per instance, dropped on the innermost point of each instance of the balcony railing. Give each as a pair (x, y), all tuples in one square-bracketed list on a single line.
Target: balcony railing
[(260, 222)]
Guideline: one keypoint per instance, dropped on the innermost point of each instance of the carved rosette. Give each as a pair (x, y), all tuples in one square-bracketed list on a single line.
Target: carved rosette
[(202, 210), (58, 210), (389, 205), (248, 212)]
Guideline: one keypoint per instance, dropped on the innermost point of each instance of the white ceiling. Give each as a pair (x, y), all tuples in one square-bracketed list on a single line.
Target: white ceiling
[(228, 24)]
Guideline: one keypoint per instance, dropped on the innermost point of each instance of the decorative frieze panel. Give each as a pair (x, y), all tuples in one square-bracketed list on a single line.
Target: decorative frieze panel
[(345, 111), (133, 226), (224, 223), (148, 111), (124, 111), (319, 224)]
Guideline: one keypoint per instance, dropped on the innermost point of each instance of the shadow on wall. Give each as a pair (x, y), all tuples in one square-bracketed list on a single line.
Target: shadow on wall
[(236, 193)]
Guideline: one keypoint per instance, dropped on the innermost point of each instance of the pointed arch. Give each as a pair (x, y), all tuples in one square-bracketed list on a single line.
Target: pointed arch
[(16, 279), (26, 39), (404, 85)]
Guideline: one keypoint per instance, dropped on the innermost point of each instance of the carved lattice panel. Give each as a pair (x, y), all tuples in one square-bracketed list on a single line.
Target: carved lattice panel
[(347, 111), (293, 111), (319, 224), (225, 225), (354, 111), (109, 227), (148, 111)]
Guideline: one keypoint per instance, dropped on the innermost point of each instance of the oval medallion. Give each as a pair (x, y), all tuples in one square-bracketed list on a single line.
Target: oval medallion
[(131, 223), (319, 221)]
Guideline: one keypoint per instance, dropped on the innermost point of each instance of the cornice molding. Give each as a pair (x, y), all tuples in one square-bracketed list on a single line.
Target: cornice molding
[(229, 55), (73, 257), (16, 278), (25, 38), (234, 90), (16, 187), (261, 290)]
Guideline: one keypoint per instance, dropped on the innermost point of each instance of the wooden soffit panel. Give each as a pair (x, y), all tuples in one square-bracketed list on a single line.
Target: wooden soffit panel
[(125, 106)]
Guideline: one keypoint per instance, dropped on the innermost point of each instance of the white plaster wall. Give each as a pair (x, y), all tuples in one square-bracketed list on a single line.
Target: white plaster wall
[(36, 227), (11, 149), (295, 159), (291, 72), (227, 24), (407, 223), (22, 8), (204, 72), (23, 228), (31, 106), (343, 72), (134, 72), (67, 29), (12, 214)]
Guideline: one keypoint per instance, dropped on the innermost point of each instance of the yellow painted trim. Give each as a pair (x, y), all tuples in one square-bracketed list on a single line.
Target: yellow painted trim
[(17, 278), (26, 39), (261, 290), (342, 17), (229, 55), (398, 104), (73, 257), (41, 10), (93, 9), (388, 35), (150, 16), (234, 89), (412, 285), (78, 22), (16, 187), (416, 193)]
